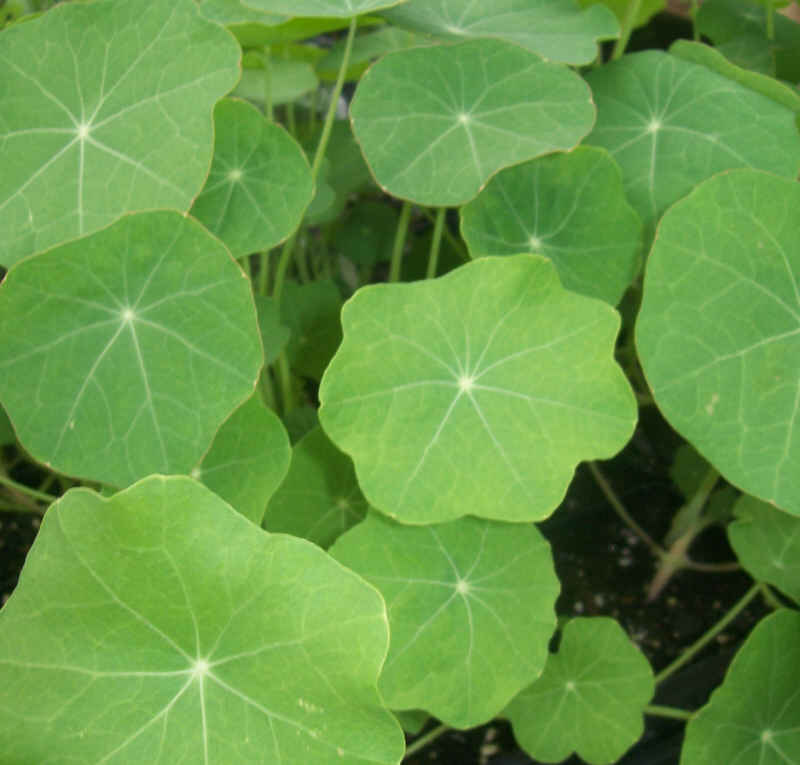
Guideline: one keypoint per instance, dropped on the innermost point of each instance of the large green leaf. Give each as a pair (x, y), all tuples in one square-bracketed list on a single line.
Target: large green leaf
[(105, 108), (719, 329), (569, 207), (767, 544), (671, 124), (235, 13), (590, 698), (124, 351), (329, 8), (435, 123), (471, 610), (559, 30), (320, 498), (487, 386), (160, 626), (260, 182), (753, 718), (248, 459)]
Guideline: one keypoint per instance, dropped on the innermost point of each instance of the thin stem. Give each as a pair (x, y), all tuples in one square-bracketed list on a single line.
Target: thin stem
[(770, 21), (399, 242), (707, 637), (436, 243), (769, 598), (693, 8), (263, 273), (21, 488), (423, 741), (688, 516), (672, 712), (713, 568), (622, 512), (455, 243), (285, 382), (33, 509), (268, 112), (631, 14)]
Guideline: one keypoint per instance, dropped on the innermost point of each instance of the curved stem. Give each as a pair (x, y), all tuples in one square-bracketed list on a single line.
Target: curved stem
[(708, 636), (436, 243), (423, 741), (768, 596), (21, 488), (399, 242), (671, 712)]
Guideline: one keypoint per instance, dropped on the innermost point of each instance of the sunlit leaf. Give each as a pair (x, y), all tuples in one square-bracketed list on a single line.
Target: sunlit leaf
[(331, 8), (259, 184), (471, 610), (160, 626), (568, 207), (435, 123), (487, 386), (559, 31), (719, 329), (754, 716), (590, 698), (137, 342), (235, 12), (97, 104)]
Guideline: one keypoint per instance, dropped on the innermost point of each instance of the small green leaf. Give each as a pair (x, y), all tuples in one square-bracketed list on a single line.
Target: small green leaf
[(471, 610), (288, 81), (671, 124), (487, 385), (558, 31), (570, 208), (590, 698), (311, 311), (767, 543), (274, 335), (320, 498), (314, 8), (260, 182), (189, 638), (248, 459), (139, 341), (435, 123), (109, 103), (718, 333), (754, 716)]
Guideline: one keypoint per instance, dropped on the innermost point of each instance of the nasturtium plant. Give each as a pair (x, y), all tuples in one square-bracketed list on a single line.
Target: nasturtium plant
[(569, 207), (180, 648), (98, 344), (311, 311), (590, 698), (95, 123), (488, 384), (470, 611)]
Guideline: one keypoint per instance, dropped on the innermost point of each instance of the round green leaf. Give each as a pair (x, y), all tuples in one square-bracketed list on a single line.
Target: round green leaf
[(767, 544), (589, 699), (568, 207), (560, 31), (108, 104), (435, 123), (471, 610), (160, 626), (123, 352), (320, 498), (671, 124), (719, 329), (331, 8), (753, 718), (260, 182), (248, 459), (487, 386)]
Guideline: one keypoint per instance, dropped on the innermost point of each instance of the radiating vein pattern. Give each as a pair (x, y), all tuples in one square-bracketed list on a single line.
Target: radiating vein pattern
[(88, 107), (135, 302), (471, 610), (487, 385)]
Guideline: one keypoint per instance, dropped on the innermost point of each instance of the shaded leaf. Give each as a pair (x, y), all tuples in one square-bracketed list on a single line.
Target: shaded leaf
[(235, 13), (314, 8), (288, 81), (274, 335)]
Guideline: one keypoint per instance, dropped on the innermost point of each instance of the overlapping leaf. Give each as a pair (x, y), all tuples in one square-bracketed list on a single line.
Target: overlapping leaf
[(559, 31), (248, 459), (436, 123), (235, 12), (569, 207), (719, 329), (160, 626), (471, 610), (123, 352), (671, 124), (259, 184), (331, 8), (320, 498), (487, 386), (100, 116), (754, 716)]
